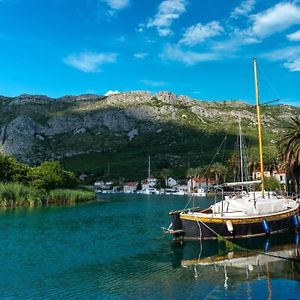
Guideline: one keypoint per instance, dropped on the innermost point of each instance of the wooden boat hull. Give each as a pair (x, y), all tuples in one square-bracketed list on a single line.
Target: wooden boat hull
[(189, 226)]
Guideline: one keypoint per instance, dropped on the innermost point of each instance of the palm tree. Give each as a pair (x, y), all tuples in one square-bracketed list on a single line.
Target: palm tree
[(289, 147), (219, 171)]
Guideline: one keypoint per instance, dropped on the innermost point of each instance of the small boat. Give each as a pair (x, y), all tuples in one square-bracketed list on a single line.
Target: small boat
[(200, 193), (244, 215)]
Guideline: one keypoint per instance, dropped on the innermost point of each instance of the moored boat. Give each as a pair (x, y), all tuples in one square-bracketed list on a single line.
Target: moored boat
[(247, 214)]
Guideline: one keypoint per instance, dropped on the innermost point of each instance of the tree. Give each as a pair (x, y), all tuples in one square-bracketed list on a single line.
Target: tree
[(197, 172), (219, 171), (165, 173), (289, 147), (13, 171), (271, 161), (50, 175)]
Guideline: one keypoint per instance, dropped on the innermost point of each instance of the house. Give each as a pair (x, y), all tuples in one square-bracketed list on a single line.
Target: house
[(280, 176), (256, 174), (171, 182), (130, 187), (200, 183)]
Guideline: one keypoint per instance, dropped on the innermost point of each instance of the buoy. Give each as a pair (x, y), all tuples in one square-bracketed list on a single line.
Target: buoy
[(229, 226), (266, 227), (296, 221)]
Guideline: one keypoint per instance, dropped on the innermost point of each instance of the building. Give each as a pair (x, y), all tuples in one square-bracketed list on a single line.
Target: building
[(200, 183), (280, 176), (171, 182), (256, 174), (130, 187), (149, 183)]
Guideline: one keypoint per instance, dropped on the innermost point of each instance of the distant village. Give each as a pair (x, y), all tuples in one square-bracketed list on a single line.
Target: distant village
[(198, 186)]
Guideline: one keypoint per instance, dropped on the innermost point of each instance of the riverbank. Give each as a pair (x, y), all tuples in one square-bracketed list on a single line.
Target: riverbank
[(20, 195)]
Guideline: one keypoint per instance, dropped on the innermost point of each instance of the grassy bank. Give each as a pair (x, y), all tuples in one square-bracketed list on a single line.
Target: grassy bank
[(20, 195)]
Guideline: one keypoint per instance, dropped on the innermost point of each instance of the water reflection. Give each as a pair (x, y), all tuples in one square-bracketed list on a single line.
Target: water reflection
[(245, 260)]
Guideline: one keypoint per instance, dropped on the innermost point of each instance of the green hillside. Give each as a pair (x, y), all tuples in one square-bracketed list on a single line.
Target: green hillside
[(112, 137)]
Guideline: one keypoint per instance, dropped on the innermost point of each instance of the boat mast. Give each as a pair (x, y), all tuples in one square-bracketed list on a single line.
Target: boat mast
[(241, 153), (149, 169), (262, 177)]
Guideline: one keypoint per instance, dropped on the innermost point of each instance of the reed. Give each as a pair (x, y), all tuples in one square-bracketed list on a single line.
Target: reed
[(64, 196), (20, 195), (17, 194)]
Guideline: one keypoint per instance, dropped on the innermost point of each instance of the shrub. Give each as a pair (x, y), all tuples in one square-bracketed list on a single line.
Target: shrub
[(13, 171), (50, 175)]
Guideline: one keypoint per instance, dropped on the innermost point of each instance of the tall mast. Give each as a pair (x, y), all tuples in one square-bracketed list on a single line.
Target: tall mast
[(262, 177), (241, 152), (149, 168)]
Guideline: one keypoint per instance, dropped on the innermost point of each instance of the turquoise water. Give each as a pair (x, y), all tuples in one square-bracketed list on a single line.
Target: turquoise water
[(115, 249)]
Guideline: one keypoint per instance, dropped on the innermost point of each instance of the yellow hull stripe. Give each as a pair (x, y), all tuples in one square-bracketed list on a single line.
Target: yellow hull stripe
[(246, 220)]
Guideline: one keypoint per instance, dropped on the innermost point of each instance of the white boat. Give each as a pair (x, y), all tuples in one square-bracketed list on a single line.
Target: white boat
[(200, 193), (244, 215)]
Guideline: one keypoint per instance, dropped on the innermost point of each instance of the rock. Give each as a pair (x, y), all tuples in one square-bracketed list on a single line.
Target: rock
[(62, 124), (36, 127), (79, 130), (132, 134), (18, 136)]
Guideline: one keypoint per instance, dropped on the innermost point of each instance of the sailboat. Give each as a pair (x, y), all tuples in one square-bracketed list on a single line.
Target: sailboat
[(244, 215), (149, 188)]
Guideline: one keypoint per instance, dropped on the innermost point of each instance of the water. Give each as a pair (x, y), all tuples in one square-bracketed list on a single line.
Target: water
[(115, 249)]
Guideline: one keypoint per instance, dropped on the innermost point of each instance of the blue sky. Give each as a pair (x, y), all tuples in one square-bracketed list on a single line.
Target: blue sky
[(203, 49)]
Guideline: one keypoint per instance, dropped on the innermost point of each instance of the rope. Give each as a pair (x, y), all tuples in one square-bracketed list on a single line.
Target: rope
[(232, 246)]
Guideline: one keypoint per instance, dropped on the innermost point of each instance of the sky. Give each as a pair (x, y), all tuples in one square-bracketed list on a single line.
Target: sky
[(202, 49)]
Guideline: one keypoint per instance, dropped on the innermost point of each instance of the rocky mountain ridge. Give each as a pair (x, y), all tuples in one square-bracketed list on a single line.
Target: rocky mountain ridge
[(34, 128)]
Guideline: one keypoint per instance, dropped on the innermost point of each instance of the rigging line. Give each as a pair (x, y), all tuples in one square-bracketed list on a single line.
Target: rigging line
[(270, 84), (215, 155)]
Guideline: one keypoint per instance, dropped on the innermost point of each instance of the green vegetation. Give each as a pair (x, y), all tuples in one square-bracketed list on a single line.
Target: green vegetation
[(289, 147), (91, 135), (271, 184), (21, 185), (50, 175), (18, 194)]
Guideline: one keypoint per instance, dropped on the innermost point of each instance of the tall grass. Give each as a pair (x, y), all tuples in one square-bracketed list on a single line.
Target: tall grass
[(69, 196), (17, 194), (20, 195)]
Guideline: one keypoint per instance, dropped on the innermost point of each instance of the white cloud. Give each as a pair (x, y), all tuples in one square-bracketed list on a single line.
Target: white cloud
[(140, 55), (290, 56), (153, 83), (288, 53), (175, 53), (244, 9), (199, 33), (275, 19), (168, 11), (293, 66), (89, 61), (295, 37), (164, 31), (117, 4), (109, 93)]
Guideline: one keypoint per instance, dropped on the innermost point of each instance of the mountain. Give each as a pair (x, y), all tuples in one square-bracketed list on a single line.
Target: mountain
[(114, 135)]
